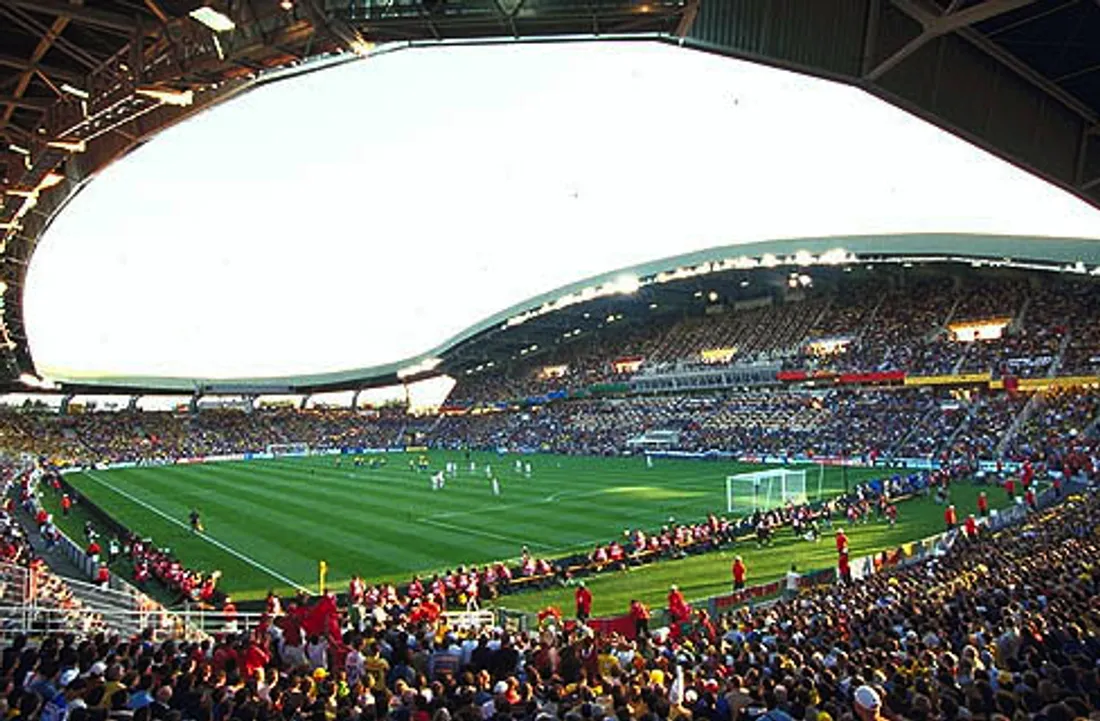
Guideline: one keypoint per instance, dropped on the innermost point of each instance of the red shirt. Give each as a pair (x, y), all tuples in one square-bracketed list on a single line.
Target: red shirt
[(949, 515), (841, 541), (738, 571), (254, 658), (584, 600), (983, 502), (638, 611)]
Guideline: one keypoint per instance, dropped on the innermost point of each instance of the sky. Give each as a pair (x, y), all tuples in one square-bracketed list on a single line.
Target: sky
[(366, 213)]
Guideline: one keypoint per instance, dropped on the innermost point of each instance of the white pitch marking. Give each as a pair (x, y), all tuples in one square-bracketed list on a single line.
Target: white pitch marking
[(209, 539)]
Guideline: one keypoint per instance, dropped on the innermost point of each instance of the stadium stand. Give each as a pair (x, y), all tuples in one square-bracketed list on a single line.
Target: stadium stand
[(1000, 627), (1026, 329)]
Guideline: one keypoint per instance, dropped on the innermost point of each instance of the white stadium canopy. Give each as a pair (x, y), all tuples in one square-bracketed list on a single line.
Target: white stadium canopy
[(360, 216)]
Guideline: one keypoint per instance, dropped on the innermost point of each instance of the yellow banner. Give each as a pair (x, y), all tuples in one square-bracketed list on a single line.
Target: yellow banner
[(1041, 384), (960, 379), (717, 355)]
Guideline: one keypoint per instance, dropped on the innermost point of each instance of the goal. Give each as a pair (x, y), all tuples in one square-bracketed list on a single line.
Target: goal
[(282, 450), (764, 490)]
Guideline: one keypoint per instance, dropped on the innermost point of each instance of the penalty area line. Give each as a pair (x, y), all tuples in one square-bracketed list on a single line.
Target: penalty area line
[(209, 539), (486, 534)]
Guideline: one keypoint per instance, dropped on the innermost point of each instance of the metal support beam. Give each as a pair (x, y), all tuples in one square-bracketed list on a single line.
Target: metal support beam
[(27, 103), (687, 19), (29, 23), (86, 16), (44, 44), (935, 26), (351, 38), (157, 10), (23, 64)]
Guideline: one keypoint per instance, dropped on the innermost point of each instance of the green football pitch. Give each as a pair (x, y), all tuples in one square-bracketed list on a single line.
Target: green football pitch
[(269, 522)]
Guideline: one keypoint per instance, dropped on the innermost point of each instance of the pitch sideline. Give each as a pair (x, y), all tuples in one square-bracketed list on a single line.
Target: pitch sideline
[(209, 539)]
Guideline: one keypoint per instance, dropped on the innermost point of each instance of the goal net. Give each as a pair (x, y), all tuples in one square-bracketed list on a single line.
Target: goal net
[(281, 450), (764, 490)]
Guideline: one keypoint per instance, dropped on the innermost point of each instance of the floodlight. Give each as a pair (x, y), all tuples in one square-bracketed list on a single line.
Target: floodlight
[(712, 296), (77, 92), (217, 21), (168, 96), (73, 146), (48, 181), (362, 47)]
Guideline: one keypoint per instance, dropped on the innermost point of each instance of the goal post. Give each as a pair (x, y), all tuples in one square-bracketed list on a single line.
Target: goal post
[(284, 450), (765, 490)]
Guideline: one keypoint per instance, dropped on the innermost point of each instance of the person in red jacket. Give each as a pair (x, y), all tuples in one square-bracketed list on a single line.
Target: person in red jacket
[(678, 608), (66, 504), (983, 505), (970, 527), (639, 613), (583, 599), (841, 540), (229, 615), (103, 577), (949, 517), (1029, 499), (255, 657), (738, 573), (843, 568), (1010, 489)]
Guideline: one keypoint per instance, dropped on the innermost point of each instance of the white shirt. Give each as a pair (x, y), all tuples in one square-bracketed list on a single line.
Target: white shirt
[(792, 580)]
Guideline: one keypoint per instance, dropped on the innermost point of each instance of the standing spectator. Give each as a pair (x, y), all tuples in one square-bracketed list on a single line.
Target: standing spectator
[(738, 571), (583, 599), (790, 582), (640, 614)]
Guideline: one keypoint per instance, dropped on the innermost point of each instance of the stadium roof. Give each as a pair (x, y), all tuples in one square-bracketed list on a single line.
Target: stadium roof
[(670, 280), (83, 83)]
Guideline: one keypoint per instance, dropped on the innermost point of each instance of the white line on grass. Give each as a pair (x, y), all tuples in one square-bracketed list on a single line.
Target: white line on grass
[(685, 483), (486, 534), (209, 539)]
